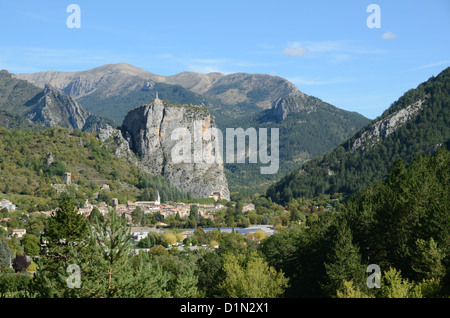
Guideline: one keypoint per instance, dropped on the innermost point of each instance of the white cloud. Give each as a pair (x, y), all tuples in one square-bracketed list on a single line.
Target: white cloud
[(37, 17), (325, 46), (341, 46), (265, 46), (335, 51), (337, 58), (205, 69), (317, 81), (210, 61), (295, 51), (389, 36), (447, 62)]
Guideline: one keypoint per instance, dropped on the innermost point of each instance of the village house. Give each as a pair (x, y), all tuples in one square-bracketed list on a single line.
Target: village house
[(6, 204), (139, 236), (19, 233), (103, 210), (140, 232), (85, 211), (47, 213), (248, 207)]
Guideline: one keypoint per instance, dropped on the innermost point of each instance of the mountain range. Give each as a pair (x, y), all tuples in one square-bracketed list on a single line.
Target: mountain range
[(122, 87), (323, 149), (24, 105)]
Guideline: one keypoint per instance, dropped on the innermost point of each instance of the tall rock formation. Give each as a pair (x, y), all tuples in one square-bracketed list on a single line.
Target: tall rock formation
[(153, 130)]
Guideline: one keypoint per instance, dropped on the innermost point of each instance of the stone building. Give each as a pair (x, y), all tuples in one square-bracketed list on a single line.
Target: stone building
[(68, 178)]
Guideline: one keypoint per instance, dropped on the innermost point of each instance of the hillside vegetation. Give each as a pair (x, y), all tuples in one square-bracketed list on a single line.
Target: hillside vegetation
[(348, 168), (26, 175), (401, 225)]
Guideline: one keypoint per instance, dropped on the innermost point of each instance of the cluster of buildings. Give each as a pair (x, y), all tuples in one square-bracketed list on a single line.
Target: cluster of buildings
[(165, 209), (19, 233)]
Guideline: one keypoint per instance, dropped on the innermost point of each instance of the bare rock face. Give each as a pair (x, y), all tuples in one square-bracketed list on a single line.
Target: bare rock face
[(152, 131), (112, 138), (290, 104), (383, 128), (259, 89)]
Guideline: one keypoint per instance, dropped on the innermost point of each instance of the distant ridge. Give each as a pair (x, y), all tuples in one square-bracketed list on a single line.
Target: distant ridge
[(23, 105)]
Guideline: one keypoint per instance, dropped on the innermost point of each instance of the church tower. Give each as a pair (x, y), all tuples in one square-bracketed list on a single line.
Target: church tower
[(157, 100), (157, 198)]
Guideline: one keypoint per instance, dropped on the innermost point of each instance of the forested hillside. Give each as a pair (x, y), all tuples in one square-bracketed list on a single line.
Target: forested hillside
[(418, 123), (30, 162), (402, 225), (306, 132)]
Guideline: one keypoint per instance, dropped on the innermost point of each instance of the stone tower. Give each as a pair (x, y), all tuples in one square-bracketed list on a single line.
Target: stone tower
[(68, 178), (158, 101)]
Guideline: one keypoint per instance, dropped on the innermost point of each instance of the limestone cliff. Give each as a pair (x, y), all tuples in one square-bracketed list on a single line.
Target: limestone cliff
[(150, 132), (383, 128)]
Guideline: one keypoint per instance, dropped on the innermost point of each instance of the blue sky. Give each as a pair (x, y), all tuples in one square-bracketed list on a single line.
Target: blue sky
[(324, 47)]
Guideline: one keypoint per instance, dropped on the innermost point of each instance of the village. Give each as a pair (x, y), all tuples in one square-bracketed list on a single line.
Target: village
[(164, 210)]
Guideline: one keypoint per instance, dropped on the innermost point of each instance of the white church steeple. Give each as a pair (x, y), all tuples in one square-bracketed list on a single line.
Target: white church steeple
[(157, 198)]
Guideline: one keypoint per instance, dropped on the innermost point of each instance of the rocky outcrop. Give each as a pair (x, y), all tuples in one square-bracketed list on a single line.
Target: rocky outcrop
[(152, 131), (383, 128), (290, 104), (113, 140), (53, 108), (257, 89)]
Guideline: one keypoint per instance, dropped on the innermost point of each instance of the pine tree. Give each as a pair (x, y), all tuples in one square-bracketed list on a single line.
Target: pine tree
[(344, 263), (427, 260), (67, 227), (65, 233), (109, 269), (5, 255), (252, 278), (137, 215), (95, 213)]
